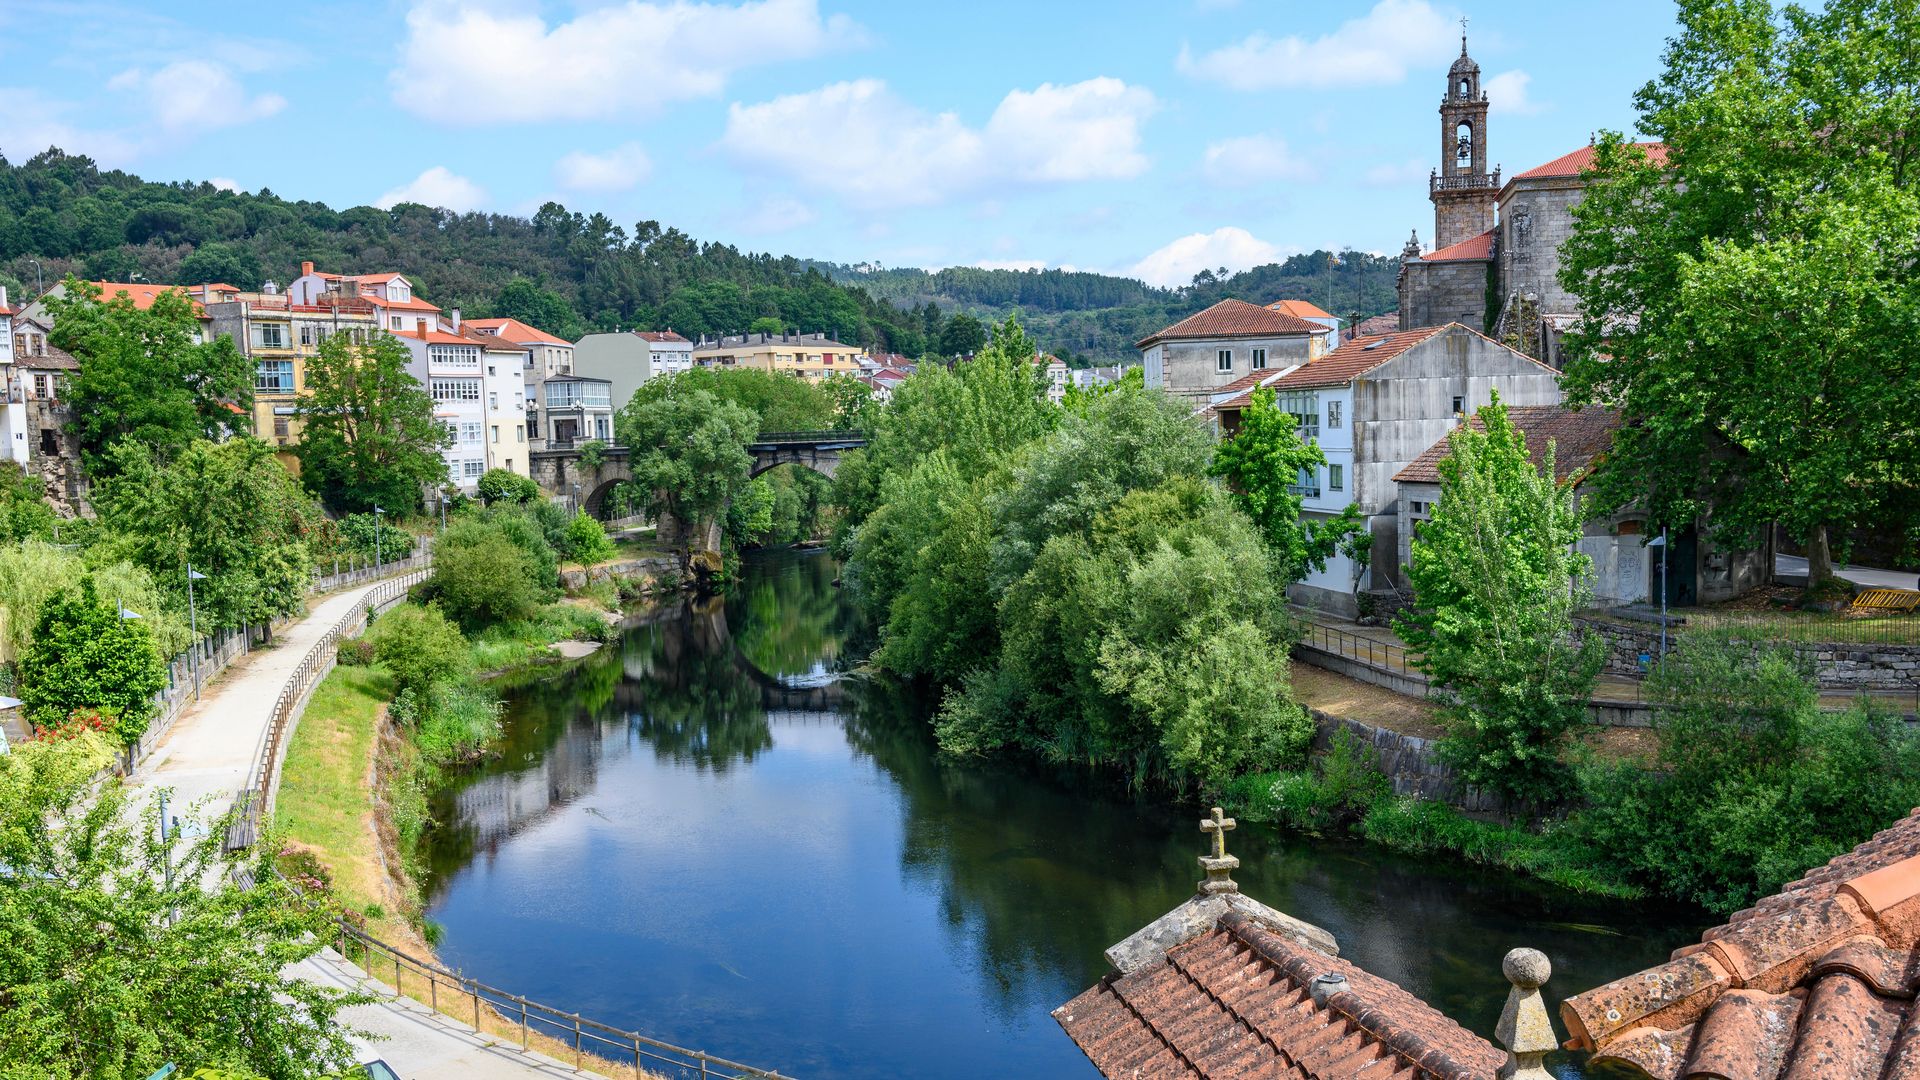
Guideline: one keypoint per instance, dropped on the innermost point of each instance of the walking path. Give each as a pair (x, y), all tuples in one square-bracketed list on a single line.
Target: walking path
[(208, 755), (1796, 566)]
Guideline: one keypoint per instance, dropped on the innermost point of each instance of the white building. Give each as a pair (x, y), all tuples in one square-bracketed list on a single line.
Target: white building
[(390, 293), (15, 443), (547, 356), (667, 352), (1203, 352), (471, 396)]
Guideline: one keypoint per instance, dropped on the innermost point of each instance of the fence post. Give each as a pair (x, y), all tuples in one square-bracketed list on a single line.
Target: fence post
[(523, 1023), (576, 1042), (636, 1058)]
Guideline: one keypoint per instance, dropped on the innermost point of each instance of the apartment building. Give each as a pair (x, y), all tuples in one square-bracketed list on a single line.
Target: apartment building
[(547, 356), (391, 295), (809, 356), (479, 393), (280, 336)]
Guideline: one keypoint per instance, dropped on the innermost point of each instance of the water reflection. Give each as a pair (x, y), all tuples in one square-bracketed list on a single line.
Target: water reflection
[(701, 833)]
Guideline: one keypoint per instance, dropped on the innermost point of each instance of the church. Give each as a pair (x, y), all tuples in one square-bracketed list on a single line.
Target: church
[(1495, 261)]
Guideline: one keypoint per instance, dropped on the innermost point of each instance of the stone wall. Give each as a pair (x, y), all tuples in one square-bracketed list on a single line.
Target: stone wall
[(1836, 665), (1433, 294), (658, 573), (1411, 764)]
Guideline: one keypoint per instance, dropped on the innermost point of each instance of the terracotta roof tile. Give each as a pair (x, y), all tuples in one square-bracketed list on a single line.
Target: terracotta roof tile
[(660, 335), (144, 293), (1299, 309), (1579, 161), (1817, 980), (1235, 1002), (516, 331), (1478, 247), (1379, 324), (1355, 358), (1579, 438), (1233, 318), (412, 303)]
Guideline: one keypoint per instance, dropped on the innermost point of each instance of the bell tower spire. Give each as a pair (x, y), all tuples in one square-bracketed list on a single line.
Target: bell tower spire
[(1461, 189)]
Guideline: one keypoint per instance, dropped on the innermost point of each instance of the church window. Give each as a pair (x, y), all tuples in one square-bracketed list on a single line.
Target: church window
[(1462, 92), (1463, 152), (1223, 361)]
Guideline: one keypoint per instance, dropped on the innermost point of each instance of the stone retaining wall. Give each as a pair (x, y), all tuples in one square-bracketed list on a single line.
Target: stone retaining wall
[(654, 574), (1411, 764), (1836, 665)]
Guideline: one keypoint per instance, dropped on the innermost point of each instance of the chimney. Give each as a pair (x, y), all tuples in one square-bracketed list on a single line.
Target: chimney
[(420, 327), (306, 268), (3, 296), (456, 320)]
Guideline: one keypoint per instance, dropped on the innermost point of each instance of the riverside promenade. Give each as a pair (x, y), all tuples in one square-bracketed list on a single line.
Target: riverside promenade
[(206, 759)]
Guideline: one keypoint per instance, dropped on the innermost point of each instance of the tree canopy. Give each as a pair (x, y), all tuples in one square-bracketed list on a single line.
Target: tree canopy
[(369, 437), (1750, 302)]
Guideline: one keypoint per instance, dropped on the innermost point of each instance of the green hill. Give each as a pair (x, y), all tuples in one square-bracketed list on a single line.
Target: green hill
[(569, 272)]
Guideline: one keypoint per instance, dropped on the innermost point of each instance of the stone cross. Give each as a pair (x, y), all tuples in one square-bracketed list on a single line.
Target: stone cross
[(1525, 1029), (1218, 865)]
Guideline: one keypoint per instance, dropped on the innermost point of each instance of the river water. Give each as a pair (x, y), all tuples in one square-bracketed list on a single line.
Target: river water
[(701, 833)]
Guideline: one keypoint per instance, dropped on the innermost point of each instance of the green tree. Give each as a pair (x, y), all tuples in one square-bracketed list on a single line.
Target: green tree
[(230, 509), (481, 576), (540, 308), (1750, 303), (370, 437), (779, 401), (750, 513), (24, 513), (1264, 462), (688, 452), (587, 541), (145, 377), (125, 951), (420, 648), (223, 263), (1496, 581), (84, 655), (963, 335), (505, 485)]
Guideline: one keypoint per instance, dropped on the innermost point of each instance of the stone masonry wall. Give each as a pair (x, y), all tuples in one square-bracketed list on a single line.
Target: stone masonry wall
[(1411, 764), (1837, 665), (1432, 294)]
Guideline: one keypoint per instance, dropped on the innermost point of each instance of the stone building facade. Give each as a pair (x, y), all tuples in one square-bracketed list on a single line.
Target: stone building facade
[(1212, 349), (1461, 189)]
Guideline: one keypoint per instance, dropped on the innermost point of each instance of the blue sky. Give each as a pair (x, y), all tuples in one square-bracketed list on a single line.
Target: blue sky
[(1152, 138)]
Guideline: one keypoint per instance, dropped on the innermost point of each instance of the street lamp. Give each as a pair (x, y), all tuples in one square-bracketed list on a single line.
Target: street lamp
[(193, 628), (378, 564), (1665, 554), (39, 282)]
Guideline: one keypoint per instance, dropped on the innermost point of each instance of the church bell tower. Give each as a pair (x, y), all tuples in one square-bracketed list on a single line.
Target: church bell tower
[(1462, 191)]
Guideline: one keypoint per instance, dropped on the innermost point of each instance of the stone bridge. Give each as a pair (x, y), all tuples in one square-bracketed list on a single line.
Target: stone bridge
[(561, 472)]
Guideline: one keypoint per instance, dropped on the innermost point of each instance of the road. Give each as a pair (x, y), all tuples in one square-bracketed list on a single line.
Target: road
[(206, 758), (1796, 565)]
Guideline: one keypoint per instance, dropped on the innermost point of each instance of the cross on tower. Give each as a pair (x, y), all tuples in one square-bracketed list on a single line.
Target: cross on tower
[(1219, 864)]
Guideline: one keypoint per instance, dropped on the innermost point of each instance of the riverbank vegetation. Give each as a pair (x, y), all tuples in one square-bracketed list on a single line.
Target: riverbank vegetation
[(1070, 577), (125, 951)]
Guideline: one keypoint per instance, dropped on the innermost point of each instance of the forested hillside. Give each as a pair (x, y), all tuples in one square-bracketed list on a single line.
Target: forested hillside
[(569, 272)]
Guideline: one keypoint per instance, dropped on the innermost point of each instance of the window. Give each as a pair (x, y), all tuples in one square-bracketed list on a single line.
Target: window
[(1336, 478), (493, 399), (495, 433), (1459, 405), (1306, 412), (459, 357), (1223, 360), (273, 376), (269, 336), (1259, 359), (1307, 483), (509, 464), (280, 426), (455, 389), (469, 431), (394, 321), (533, 424), (42, 386), (306, 334), (1333, 414), (519, 433), (472, 467)]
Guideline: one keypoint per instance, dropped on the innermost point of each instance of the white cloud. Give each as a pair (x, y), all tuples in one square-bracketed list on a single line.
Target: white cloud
[(1229, 246), (224, 183), (778, 214), (616, 170), (889, 152), (462, 63), (437, 186), (30, 122), (1253, 159), (1397, 174), (1507, 95), (195, 95), (1378, 48)]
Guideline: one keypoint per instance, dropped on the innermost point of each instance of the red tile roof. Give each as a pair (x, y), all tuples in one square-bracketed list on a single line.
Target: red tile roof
[(517, 331), (1355, 358), (1232, 319), (1378, 324), (1579, 437), (660, 335), (1581, 160), (1237, 1002), (412, 303), (1815, 981), (1479, 247), (1299, 309), (143, 293)]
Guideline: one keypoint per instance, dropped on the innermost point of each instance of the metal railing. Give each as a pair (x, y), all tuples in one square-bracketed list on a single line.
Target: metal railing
[(357, 571), (255, 801), (587, 1037), (1381, 655), (767, 437)]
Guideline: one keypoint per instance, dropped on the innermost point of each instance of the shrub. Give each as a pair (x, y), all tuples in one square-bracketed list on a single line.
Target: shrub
[(355, 652), (462, 718), (85, 656), (593, 453), (420, 648), (1340, 789), (481, 576), (504, 486), (371, 536), (587, 542)]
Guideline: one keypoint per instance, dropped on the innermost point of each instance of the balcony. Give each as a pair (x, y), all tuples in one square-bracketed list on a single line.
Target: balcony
[(1470, 182)]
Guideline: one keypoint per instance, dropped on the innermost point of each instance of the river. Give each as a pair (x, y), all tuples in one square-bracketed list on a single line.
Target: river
[(702, 833)]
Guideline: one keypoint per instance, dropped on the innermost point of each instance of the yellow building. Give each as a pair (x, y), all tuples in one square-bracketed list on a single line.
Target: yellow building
[(810, 356), (279, 336)]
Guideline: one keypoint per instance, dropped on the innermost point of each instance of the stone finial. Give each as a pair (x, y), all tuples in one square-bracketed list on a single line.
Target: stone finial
[(1525, 1028), (1219, 864), (1411, 249), (1325, 986)]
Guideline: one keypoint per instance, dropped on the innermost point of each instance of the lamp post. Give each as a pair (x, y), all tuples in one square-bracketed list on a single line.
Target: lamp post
[(1665, 555), (39, 282), (193, 628), (378, 563)]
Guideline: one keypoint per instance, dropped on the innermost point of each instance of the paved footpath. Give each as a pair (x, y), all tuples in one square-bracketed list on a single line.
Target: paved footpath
[(208, 754)]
